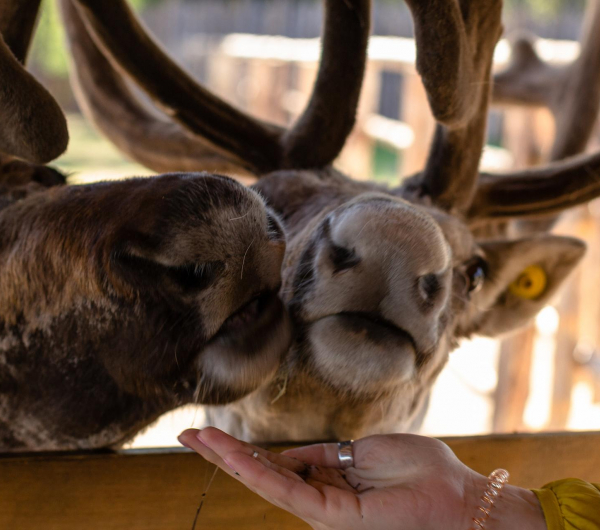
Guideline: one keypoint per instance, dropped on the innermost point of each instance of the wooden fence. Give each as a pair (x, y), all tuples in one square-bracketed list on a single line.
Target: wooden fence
[(162, 490)]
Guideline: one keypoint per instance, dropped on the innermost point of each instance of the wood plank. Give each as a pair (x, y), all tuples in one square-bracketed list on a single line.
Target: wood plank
[(162, 489)]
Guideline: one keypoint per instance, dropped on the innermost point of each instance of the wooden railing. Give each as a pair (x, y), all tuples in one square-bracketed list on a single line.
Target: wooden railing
[(163, 489)]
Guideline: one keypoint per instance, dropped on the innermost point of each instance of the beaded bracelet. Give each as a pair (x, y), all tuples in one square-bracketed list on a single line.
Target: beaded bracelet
[(496, 482)]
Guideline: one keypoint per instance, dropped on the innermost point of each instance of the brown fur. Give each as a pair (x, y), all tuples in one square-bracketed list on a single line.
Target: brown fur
[(378, 281), (103, 325), (348, 378)]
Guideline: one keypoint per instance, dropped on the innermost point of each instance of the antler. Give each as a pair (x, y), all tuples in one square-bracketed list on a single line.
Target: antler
[(455, 47), (538, 191), (571, 92), (17, 21), (317, 137), (32, 125), (319, 134), (107, 100), (573, 95)]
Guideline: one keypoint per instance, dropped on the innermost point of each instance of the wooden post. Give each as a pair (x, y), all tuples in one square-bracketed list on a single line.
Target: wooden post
[(514, 369)]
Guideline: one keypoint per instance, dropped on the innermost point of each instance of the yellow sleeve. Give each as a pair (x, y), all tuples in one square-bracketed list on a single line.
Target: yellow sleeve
[(570, 504)]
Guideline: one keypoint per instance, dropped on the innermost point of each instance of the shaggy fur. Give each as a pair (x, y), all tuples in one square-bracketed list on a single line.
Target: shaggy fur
[(371, 334), (121, 301)]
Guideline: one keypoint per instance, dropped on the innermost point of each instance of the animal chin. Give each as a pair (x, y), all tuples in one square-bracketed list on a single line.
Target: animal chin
[(362, 352)]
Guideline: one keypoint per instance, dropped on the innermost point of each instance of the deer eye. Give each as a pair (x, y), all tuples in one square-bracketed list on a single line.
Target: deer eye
[(475, 272), (190, 276), (196, 276), (342, 258)]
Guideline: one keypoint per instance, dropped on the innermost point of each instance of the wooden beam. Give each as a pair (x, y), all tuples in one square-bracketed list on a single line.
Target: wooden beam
[(162, 489)]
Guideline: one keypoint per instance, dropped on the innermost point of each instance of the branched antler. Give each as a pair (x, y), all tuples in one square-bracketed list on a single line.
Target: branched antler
[(314, 141), (455, 47), (106, 99), (121, 36), (571, 92), (573, 95)]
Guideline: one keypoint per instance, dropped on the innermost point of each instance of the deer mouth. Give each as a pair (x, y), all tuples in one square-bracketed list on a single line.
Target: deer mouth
[(251, 314), (361, 353), (375, 327), (247, 350), (251, 327)]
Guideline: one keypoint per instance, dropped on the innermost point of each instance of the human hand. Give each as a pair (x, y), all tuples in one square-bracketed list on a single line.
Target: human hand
[(398, 481)]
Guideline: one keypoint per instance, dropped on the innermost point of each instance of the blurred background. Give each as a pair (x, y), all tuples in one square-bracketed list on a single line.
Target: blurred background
[(262, 55)]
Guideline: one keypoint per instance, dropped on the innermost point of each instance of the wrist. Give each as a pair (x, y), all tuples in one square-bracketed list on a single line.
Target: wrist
[(517, 508), (514, 508)]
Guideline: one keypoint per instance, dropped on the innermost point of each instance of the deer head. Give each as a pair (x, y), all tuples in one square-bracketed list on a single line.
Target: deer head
[(381, 283), (120, 301)]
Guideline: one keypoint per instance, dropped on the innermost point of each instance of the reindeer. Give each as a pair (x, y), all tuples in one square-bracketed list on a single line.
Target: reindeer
[(121, 301), (381, 283)]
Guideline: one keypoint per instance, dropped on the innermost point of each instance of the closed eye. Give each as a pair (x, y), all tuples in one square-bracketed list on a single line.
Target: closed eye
[(196, 276), (188, 276)]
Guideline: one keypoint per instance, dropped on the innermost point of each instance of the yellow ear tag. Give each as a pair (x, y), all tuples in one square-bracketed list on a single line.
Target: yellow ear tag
[(530, 284)]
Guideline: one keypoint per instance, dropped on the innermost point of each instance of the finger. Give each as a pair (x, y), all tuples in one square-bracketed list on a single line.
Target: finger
[(317, 455), (222, 444), (295, 496), (189, 439), (275, 467)]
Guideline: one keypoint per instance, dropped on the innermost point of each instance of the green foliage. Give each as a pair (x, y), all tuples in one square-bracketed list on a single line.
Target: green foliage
[(48, 53)]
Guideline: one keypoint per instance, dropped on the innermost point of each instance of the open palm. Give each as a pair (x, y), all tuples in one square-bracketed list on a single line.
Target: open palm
[(398, 481)]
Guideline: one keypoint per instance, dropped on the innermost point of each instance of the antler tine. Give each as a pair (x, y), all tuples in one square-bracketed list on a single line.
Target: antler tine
[(17, 21), (320, 133), (573, 95), (539, 191), (455, 47), (445, 35), (106, 99), (33, 126), (120, 36), (571, 92)]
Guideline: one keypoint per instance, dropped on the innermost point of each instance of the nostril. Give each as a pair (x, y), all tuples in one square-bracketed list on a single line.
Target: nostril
[(429, 287), (342, 258)]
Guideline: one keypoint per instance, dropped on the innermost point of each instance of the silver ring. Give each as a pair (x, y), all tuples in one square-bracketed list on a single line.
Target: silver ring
[(346, 454)]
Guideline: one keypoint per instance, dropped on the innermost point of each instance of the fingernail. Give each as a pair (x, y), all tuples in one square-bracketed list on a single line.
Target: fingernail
[(182, 442), (199, 436)]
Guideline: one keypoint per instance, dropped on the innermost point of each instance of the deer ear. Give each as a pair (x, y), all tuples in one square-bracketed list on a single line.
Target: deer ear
[(522, 277)]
